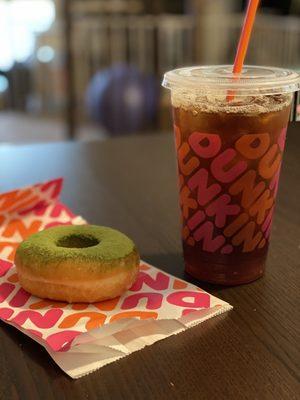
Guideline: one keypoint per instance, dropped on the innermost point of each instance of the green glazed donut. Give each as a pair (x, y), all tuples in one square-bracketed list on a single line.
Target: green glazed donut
[(77, 263)]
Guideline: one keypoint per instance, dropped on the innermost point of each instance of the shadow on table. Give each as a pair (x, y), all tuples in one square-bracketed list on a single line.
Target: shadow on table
[(34, 357), (18, 344)]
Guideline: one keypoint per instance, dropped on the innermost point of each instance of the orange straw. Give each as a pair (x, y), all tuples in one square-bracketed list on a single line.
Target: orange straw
[(244, 40)]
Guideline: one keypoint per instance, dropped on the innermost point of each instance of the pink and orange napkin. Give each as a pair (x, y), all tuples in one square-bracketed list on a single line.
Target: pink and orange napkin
[(82, 338)]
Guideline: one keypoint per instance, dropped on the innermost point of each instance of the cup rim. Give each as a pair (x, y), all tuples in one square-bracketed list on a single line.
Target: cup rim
[(218, 78)]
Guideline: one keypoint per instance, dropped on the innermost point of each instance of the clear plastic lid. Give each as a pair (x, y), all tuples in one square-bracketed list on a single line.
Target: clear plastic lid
[(219, 78)]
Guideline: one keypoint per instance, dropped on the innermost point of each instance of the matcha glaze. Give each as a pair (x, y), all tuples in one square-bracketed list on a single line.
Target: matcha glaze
[(75, 242)]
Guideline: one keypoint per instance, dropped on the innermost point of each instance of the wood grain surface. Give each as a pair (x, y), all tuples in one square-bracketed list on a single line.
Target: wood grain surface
[(129, 183)]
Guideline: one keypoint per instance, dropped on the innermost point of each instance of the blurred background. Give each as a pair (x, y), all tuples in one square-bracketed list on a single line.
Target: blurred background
[(91, 69)]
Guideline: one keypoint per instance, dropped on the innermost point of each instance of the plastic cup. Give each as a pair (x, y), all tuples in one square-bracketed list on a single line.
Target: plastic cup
[(229, 157)]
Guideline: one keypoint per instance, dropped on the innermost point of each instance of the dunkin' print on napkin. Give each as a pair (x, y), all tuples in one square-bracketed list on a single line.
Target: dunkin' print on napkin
[(84, 337)]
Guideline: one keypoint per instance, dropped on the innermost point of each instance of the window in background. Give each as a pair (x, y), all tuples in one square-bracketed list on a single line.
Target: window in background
[(99, 61), (20, 22)]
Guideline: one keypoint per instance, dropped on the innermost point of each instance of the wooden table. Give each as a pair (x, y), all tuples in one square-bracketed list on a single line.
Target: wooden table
[(251, 352)]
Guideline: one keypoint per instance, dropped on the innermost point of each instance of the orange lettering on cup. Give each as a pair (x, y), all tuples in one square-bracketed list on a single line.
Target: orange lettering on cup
[(253, 146), (246, 237), (181, 180), (245, 185), (270, 162), (262, 243), (185, 232), (235, 225), (186, 166), (260, 207), (177, 136), (191, 241), (186, 201)]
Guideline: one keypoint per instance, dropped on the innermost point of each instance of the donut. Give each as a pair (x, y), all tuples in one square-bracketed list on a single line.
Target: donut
[(83, 263)]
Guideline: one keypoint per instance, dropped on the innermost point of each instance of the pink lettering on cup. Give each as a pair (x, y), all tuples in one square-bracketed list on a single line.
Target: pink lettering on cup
[(219, 164), (205, 233), (221, 208), (205, 145), (205, 193)]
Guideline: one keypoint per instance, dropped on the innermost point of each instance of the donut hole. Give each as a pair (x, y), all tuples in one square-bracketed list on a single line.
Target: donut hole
[(77, 241)]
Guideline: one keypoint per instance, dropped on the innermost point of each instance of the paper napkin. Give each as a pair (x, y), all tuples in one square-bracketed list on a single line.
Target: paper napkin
[(82, 338)]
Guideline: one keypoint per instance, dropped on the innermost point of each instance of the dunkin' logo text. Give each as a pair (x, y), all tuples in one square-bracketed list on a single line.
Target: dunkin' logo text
[(227, 194), (154, 295)]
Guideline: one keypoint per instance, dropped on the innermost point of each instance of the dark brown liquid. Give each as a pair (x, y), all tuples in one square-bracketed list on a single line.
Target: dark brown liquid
[(229, 165)]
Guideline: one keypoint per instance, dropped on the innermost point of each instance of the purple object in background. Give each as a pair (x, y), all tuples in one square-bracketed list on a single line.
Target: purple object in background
[(122, 99)]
